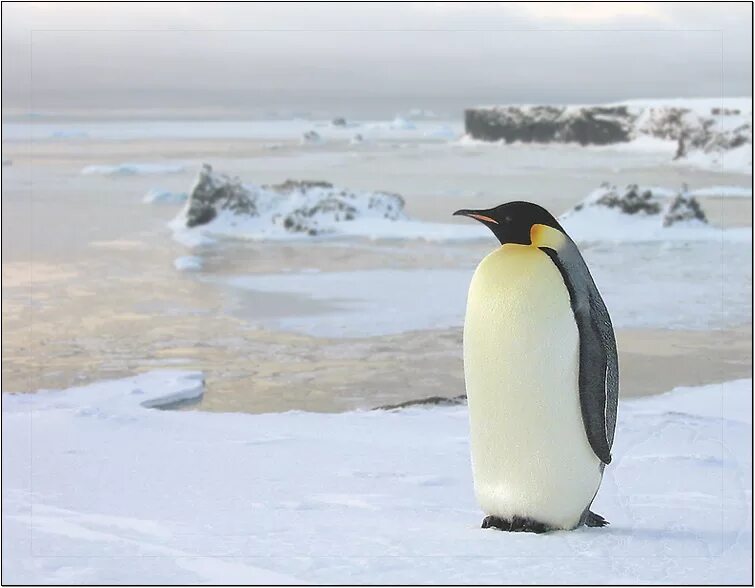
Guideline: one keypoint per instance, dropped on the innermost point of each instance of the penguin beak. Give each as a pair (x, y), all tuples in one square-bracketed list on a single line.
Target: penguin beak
[(480, 215)]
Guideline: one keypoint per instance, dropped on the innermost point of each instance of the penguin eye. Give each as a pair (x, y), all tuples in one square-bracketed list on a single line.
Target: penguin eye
[(507, 219)]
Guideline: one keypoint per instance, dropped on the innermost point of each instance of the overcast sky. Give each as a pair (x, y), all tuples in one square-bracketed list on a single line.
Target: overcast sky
[(346, 58)]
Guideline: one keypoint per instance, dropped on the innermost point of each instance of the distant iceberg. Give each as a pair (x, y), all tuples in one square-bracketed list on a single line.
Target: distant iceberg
[(134, 169)]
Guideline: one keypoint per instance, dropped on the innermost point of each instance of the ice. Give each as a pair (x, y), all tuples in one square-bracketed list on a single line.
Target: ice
[(665, 291), (592, 220), (123, 494), (134, 169), (158, 196), (722, 192), (262, 130), (188, 263), (69, 134)]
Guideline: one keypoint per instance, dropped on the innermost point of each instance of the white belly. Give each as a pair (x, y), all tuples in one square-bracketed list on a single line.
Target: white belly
[(530, 453)]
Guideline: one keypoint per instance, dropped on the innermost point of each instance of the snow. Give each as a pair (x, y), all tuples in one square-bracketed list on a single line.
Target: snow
[(722, 192), (134, 169), (399, 123), (159, 196), (102, 490), (737, 160), (188, 263), (698, 105)]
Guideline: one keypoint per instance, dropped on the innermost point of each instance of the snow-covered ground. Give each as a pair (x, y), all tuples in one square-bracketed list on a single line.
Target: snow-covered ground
[(99, 489)]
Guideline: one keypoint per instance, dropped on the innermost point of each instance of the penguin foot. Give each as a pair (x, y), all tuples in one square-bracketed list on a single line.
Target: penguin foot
[(595, 520), (514, 524)]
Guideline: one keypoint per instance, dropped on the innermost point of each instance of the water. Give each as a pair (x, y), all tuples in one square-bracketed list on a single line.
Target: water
[(90, 289)]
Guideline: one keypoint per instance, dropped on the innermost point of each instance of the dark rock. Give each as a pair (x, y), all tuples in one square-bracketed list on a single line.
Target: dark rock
[(298, 206), (214, 192), (311, 137), (682, 208), (297, 186), (598, 125), (430, 401), (339, 121), (632, 201)]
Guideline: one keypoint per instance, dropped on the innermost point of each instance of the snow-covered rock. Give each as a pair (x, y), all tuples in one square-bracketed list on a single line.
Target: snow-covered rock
[(633, 200), (703, 134), (595, 125), (224, 205), (683, 208), (311, 138)]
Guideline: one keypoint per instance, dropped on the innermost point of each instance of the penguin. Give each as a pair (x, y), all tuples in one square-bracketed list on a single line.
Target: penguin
[(541, 373)]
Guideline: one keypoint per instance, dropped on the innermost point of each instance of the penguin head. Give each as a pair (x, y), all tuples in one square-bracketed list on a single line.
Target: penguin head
[(512, 222)]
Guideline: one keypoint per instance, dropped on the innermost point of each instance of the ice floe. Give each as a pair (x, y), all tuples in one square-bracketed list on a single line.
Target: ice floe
[(188, 263), (134, 169)]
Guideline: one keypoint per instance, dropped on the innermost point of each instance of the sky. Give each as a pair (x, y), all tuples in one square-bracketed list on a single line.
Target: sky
[(229, 58)]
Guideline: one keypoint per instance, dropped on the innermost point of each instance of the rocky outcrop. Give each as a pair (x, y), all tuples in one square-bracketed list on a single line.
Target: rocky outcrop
[(694, 132), (598, 125), (668, 206), (308, 207), (714, 131), (215, 192), (683, 208)]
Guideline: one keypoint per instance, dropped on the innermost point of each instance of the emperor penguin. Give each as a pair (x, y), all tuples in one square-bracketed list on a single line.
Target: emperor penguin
[(541, 373)]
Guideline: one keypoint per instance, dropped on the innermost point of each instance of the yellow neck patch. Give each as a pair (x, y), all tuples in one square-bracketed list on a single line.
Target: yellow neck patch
[(545, 236)]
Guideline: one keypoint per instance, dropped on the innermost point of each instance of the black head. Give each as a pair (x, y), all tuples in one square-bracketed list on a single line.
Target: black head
[(511, 222)]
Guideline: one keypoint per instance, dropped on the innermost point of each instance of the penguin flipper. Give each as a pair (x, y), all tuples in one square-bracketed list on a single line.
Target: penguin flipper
[(598, 358)]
